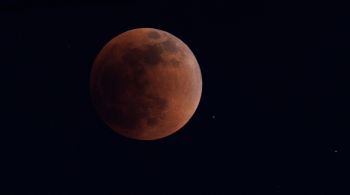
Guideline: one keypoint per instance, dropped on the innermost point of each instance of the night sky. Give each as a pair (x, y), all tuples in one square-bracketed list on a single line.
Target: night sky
[(273, 117)]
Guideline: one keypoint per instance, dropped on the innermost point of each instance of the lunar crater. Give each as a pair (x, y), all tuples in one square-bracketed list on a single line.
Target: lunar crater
[(174, 62), (153, 35)]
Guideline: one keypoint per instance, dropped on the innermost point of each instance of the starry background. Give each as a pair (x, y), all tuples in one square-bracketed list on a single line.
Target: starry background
[(273, 118)]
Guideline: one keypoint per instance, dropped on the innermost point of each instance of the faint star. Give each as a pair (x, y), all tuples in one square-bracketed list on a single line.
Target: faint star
[(335, 151), (213, 116)]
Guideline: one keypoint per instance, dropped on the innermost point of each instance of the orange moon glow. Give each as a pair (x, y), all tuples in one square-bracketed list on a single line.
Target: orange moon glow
[(145, 84)]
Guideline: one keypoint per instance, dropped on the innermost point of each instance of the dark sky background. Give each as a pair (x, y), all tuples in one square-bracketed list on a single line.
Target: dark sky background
[(275, 78)]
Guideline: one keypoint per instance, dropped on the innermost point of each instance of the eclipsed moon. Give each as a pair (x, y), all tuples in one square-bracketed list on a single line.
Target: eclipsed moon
[(145, 84)]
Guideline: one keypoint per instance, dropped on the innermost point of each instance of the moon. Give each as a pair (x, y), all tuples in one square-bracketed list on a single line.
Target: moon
[(145, 84)]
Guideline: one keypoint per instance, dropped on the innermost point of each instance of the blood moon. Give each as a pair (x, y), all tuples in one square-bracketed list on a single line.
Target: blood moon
[(145, 84)]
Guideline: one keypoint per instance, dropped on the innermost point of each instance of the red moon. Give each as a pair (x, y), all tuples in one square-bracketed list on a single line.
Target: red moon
[(145, 84)]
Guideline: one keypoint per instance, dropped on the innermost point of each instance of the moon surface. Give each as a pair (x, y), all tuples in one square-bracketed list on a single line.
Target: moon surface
[(145, 84)]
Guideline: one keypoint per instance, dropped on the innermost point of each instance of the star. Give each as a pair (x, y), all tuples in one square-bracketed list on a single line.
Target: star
[(213, 116)]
